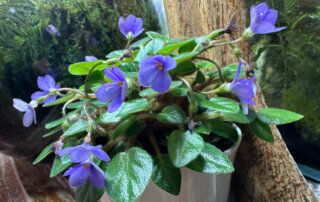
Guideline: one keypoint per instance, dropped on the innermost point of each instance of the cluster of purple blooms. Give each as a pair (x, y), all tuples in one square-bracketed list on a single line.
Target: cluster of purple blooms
[(153, 73), (87, 168)]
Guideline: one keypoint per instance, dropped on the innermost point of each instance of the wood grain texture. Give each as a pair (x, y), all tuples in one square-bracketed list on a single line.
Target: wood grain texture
[(264, 171)]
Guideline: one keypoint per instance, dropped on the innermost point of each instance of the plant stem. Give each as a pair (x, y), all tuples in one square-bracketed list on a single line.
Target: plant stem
[(88, 76), (192, 107), (67, 103), (154, 145), (112, 143), (207, 116), (215, 63)]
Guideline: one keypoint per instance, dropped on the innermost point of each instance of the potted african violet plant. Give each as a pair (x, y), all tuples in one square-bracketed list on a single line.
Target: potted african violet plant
[(156, 113)]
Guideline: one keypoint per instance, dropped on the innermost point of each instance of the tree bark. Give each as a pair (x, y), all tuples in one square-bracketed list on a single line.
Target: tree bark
[(264, 171)]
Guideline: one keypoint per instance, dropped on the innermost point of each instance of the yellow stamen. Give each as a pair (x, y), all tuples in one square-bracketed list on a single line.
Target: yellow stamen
[(120, 83), (159, 65), (86, 166)]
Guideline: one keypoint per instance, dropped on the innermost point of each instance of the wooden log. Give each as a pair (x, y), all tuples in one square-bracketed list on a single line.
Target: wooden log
[(264, 171)]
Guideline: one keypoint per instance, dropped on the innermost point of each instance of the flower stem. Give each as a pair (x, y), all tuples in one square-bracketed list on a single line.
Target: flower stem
[(88, 76), (67, 103), (154, 145), (192, 107), (207, 116), (215, 63)]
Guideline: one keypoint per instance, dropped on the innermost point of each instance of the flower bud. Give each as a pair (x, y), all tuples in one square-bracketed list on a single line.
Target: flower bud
[(130, 36), (74, 118), (33, 104), (237, 52), (65, 125), (57, 146)]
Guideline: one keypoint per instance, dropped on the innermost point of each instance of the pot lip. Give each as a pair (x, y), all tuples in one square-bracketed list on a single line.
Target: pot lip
[(237, 143)]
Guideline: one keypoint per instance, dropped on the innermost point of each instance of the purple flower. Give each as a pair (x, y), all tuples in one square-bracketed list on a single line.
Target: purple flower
[(244, 89), (82, 152), (52, 30), (116, 91), (90, 58), (263, 19), (153, 71), (12, 10), (80, 173), (131, 24), (47, 84), (30, 115)]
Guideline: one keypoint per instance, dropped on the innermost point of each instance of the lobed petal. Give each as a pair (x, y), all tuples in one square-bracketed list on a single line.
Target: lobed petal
[(161, 81), (146, 76), (271, 16), (38, 94), (108, 91), (169, 63), (79, 154), (114, 74), (150, 62), (71, 170), (20, 105), (96, 176), (66, 151), (124, 90), (100, 154), (50, 81), (28, 118), (42, 84), (238, 73), (79, 176), (262, 9), (50, 99), (115, 104), (122, 26)]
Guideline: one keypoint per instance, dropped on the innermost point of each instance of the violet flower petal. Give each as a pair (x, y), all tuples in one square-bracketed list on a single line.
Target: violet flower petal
[(66, 151), (38, 94), (90, 58), (169, 63), (80, 154), (50, 81), (96, 176), (79, 176), (99, 153), (108, 91), (42, 84), (114, 74), (115, 104), (131, 24), (28, 118), (71, 170), (50, 99), (146, 76), (161, 81), (124, 91), (20, 105)]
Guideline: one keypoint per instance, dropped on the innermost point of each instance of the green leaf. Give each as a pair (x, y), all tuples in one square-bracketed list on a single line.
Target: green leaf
[(135, 129), (134, 106), (183, 91), (52, 132), (172, 114), (172, 47), (224, 129), (185, 67), (166, 176), (200, 77), (150, 91), (54, 123), (128, 175), (240, 117), (123, 127), (204, 64), (188, 47), (60, 100), (152, 47), (58, 166), (140, 42), (108, 117), (154, 35), (88, 193), (228, 72), (184, 147), (185, 56), (116, 53), (45, 152), (262, 130), (211, 160), (221, 104), (277, 116), (77, 127), (83, 68), (95, 79)]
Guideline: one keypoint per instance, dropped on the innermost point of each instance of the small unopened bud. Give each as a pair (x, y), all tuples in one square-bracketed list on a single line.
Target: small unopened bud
[(204, 42), (57, 146), (74, 118), (65, 125)]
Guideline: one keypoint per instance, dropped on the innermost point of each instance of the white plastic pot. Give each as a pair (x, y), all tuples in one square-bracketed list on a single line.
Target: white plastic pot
[(196, 186)]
